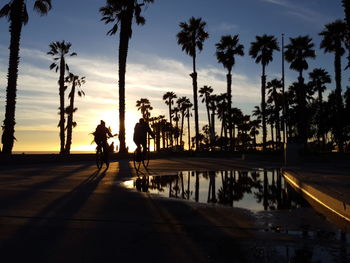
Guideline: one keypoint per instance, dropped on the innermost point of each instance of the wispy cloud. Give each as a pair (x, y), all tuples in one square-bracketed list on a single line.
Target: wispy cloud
[(224, 27), (301, 11), (38, 100)]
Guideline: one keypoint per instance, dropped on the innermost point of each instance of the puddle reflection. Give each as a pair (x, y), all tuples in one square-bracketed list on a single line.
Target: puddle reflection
[(254, 190)]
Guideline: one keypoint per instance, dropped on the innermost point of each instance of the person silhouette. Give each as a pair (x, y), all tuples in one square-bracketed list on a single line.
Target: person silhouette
[(101, 134), (140, 134)]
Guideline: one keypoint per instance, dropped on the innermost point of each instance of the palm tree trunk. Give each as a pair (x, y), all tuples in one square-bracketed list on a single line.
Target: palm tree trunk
[(125, 33), (62, 108), (182, 126), (171, 124), (302, 121), (263, 106), (195, 100), (229, 103), (8, 136), (189, 130), (208, 114), (321, 122), (70, 120), (339, 102)]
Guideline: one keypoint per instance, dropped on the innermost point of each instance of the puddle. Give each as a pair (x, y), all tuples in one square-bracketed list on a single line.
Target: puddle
[(305, 233), (257, 190)]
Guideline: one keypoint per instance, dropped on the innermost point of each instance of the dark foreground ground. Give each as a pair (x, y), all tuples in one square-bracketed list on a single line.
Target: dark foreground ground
[(72, 212)]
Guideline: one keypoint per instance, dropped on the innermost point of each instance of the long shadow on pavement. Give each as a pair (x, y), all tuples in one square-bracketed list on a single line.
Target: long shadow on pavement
[(42, 235)]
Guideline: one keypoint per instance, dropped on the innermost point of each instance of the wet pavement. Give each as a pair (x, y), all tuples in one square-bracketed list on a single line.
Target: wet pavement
[(75, 213)]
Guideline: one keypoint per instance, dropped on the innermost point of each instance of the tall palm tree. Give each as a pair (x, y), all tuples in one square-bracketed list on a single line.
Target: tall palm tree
[(226, 50), (333, 38), (204, 93), (144, 105), (222, 113), (298, 51), (121, 13), (262, 51), (346, 6), (16, 13), (76, 82), (318, 78), (59, 50), (191, 37), (169, 100), (274, 88), (188, 115), (183, 105)]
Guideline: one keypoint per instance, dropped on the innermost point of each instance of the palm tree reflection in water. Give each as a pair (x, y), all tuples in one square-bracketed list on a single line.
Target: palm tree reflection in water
[(255, 190)]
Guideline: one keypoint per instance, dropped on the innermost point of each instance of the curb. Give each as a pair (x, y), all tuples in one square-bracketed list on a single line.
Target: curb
[(337, 206)]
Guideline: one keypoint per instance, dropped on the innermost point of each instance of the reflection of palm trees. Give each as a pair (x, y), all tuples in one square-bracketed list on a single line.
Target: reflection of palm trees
[(212, 189)]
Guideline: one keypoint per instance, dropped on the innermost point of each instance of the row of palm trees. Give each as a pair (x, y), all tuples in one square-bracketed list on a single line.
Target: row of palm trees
[(60, 51), (297, 53), (191, 38)]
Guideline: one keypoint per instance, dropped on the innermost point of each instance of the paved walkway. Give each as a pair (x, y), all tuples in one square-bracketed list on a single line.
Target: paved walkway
[(75, 213)]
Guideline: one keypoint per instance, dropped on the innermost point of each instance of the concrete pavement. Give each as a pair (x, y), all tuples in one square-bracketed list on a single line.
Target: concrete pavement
[(74, 213)]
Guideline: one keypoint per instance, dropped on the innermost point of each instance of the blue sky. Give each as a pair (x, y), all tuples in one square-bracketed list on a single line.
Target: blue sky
[(156, 63)]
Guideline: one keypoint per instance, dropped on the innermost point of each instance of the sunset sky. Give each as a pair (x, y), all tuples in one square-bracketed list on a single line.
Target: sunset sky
[(156, 63)]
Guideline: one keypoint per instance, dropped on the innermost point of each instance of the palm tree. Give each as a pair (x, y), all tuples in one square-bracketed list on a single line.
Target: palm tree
[(204, 93), (188, 115), (300, 49), (333, 37), (183, 105), (176, 130), (226, 50), (346, 6), (262, 51), (59, 50), (144, 105), (121, 13), (318, 78), (16, 13), (76, 82), (275, 96), (191, 37), (169, 100)]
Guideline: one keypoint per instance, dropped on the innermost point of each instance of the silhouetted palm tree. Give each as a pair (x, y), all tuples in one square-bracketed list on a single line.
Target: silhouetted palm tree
[(76, 82), (169, 100), (262, 51), (183, 105), (346, 6), (332, 42), (188, 115), (204, 93), (144, 105), (318, 78), (121, 13), (300, 49), (191, 37), (226, 50), (16, 13), (59, 50), (274, 88)]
